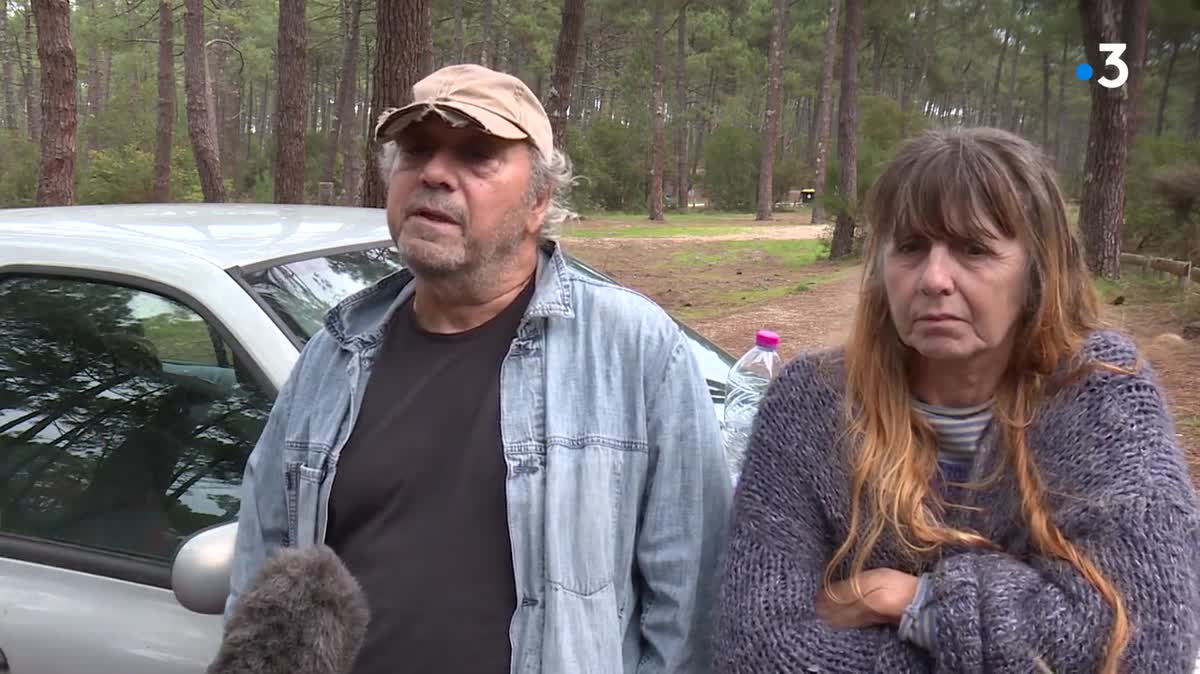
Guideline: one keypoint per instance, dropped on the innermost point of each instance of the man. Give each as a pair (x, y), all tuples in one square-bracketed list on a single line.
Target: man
[(520, 464)]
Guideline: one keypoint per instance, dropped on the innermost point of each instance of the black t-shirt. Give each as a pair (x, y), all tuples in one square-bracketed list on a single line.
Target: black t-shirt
[(418, 510)]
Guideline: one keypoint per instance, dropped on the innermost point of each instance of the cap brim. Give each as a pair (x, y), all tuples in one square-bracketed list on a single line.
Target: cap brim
[(395, 121)]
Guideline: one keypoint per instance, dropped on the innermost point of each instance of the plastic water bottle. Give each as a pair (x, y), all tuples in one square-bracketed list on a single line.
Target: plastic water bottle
[(747, 385)]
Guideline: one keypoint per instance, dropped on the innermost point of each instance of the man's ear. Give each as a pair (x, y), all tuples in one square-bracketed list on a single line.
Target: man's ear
[(537, 212)]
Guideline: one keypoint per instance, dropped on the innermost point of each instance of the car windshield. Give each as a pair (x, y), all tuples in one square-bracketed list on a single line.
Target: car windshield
[(301, 292)]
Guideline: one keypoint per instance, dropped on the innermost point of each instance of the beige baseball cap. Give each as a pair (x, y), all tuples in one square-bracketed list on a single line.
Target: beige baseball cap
[(498, 103)]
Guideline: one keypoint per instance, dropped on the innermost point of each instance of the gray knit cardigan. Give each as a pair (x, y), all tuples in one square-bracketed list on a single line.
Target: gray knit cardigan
[(1106, 450)]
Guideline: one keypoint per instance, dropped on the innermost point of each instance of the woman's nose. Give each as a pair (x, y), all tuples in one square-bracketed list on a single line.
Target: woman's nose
[(937, 276)]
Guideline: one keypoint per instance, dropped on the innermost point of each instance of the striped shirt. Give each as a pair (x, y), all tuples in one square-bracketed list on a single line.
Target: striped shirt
[(960, 430)]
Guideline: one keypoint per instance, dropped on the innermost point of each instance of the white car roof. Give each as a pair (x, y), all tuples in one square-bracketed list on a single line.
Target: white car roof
[(225, 235)]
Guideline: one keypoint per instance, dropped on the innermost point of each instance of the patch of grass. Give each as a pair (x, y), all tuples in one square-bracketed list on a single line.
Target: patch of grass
[(790, 252), (1192, 422), (1138, 287)]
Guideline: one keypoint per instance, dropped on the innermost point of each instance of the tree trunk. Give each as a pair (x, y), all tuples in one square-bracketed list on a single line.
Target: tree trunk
[(824, 115), (682, 185), (93, 79), (231, 84), (1196, 107), (1166, 89), (921, 67), (766, 166), (56, 173), (459, 57), (33, 95), (210, 103), (1134, 17), (248, 121), (486, 56), (658, 159), (1011, 104), (166, 103), (585, 90), (315, 98), (1061, 117), (7, 54), (994, 112), (401, 38), (1101, 212), (342, 138), (880, 47), (264, 108), (425, 63), (1045, 100), (558, 103), (106, 80), (810, 147), (291, 107), (200, 126), (843, 232)]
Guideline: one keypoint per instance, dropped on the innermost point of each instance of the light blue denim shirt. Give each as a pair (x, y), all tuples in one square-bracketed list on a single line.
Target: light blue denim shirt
[(618, 495)]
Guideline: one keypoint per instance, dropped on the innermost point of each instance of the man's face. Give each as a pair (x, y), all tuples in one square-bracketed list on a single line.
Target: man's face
[(459, 201)]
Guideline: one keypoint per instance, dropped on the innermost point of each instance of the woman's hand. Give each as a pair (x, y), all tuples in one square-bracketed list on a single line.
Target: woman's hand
[(886, 593)]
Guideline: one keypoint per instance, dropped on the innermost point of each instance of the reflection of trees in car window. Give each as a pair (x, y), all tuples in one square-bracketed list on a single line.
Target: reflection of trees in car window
[(302, 292), (125, 421)]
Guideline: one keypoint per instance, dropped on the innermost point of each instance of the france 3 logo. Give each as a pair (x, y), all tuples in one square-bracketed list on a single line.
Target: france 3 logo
[(1114, 50)]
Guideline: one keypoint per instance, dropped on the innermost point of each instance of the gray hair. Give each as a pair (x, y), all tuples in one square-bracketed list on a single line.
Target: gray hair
[(555, 175)]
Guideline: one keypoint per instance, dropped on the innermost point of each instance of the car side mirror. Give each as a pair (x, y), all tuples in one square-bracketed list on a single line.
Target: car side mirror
[(200, 573)]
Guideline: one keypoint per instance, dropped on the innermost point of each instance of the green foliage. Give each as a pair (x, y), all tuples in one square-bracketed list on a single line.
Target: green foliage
[(18, 171), (1150, 224), (731, 159), (126, 175), (610, 159)]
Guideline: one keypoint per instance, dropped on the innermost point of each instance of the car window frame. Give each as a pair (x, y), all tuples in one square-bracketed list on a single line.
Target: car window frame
[(239, 273), (107, 563)]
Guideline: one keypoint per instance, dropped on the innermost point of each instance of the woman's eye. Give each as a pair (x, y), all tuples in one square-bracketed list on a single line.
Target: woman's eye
[(976, 249), (909, 246)]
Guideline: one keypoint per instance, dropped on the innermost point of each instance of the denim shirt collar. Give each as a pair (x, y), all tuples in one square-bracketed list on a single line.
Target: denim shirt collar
[(359, 321)]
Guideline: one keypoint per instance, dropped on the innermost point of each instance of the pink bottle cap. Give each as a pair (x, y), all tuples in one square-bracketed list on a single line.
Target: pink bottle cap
[(766, 339)]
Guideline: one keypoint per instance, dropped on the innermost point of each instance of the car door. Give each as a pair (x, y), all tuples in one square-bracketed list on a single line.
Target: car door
[(126, 419)]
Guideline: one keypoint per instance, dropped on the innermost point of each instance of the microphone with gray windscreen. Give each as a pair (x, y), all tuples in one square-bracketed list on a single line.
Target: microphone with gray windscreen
[(304, 613)]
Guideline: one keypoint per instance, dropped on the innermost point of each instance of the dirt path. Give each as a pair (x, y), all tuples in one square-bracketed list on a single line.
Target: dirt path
[(810, 320)]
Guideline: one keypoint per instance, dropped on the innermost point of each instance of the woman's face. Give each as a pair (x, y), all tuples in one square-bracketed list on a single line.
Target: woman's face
[(956, 300)]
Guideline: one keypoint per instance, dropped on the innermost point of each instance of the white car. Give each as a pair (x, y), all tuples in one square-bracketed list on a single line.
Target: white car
[(140, 350)]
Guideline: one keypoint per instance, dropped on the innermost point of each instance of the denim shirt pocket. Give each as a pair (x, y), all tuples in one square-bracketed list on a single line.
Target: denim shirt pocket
[(304, 470), (584, 484)]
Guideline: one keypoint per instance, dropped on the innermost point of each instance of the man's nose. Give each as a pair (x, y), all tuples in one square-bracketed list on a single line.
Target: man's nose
[(937, 276), (438, 171)]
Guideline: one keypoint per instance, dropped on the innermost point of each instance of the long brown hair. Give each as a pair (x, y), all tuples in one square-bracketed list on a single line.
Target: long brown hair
[(945, 185)]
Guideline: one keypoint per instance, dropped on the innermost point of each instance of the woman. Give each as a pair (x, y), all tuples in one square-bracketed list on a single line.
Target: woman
[(981, 480)]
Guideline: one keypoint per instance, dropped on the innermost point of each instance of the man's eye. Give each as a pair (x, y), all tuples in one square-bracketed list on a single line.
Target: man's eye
[(479, 153)]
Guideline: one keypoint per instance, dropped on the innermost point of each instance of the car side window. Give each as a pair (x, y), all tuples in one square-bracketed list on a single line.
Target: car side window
[(125, 419)]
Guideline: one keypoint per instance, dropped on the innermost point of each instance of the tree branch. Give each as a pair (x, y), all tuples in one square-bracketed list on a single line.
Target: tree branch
[(231, 45)]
